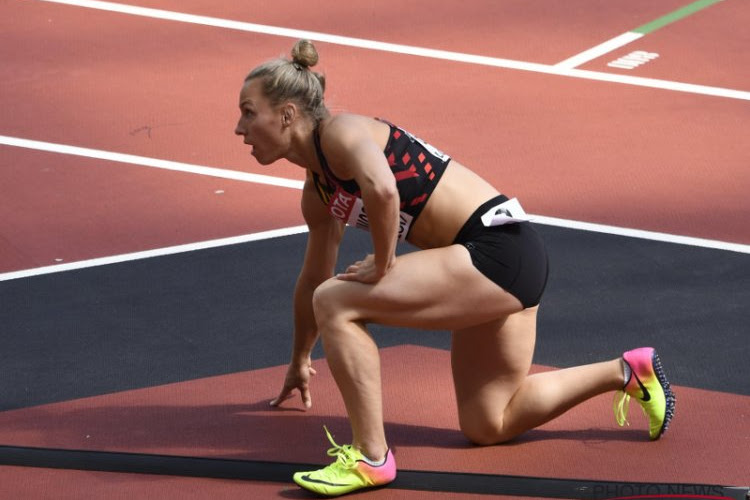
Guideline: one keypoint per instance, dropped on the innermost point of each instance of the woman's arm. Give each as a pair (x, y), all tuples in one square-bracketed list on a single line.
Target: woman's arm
[(353, 153), (319, 262), (323, 241)]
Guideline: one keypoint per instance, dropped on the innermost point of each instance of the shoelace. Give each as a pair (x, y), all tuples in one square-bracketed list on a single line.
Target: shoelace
[(621, 405), (345, 455)]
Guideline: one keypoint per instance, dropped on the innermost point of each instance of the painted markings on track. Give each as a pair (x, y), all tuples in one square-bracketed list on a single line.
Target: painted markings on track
[(277, 233), (632, 35), (639, 233), (147, 254), (633, 60), (599, 50), (675, 16), (407, 49), (149, 162)]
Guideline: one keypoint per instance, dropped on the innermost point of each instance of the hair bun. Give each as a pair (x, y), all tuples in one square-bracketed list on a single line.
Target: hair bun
[(304, 54)]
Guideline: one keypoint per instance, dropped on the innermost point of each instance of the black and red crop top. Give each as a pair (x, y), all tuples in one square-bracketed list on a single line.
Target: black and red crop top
[(416, 165)]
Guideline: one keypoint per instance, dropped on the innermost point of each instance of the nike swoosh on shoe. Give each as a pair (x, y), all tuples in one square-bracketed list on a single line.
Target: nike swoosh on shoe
[(309, 479), (646, 394)]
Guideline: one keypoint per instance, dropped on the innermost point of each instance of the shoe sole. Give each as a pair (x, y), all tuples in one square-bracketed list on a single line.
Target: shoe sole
[(669, 396)]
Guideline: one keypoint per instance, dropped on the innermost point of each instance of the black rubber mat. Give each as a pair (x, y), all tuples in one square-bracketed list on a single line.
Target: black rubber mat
[(197, 314)]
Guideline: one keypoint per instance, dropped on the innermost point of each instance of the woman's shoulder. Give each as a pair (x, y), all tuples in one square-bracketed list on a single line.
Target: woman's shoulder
[(347, 122), (348, 128)]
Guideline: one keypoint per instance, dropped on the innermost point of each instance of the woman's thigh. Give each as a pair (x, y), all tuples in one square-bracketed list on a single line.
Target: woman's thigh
[(433, 289)]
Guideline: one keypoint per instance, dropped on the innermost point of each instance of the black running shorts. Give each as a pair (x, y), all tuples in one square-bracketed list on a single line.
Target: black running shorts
[(511, 255)]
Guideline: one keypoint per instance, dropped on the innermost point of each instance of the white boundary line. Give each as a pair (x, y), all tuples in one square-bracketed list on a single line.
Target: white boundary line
[(147, 254), (278, 181), (406, 49), (276, 233), (599, 50), (642, 234), (149, 162)]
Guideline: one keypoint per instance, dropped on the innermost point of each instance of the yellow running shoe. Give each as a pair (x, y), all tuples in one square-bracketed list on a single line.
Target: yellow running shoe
[(650, 387), (351, 471)]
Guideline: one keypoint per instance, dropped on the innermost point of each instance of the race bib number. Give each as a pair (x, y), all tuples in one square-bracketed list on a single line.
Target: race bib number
[(351, 210), (429, 147)]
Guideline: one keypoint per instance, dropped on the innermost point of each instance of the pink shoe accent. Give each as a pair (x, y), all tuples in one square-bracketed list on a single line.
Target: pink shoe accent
[(641, 365), (379, 474)]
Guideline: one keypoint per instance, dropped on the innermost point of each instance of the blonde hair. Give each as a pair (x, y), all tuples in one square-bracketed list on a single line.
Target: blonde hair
[(293, 80)]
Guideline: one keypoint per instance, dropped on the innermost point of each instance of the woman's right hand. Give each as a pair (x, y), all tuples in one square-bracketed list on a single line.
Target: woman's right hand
[(297, 377)]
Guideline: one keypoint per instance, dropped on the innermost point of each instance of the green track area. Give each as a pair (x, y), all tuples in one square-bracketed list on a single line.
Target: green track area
[(675, 16)]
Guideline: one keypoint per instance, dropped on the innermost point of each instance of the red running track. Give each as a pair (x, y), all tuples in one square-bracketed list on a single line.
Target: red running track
[(569, 148)]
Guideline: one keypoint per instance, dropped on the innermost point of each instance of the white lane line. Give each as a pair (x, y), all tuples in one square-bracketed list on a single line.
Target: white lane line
[(639, 233), (656, 84), (147, 254), (599, 50), (149, 162), (276, 233), (404, 49), (295, 184)]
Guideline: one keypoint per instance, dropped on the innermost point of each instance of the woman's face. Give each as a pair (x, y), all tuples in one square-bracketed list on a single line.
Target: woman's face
[(260, 124)]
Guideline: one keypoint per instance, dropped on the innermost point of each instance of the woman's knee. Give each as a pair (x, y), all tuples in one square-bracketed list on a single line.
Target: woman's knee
[(330, 304), (484, 431), (323, 301)]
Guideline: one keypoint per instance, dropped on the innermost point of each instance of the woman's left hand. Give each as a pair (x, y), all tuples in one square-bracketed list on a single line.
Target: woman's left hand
[(363, 271)]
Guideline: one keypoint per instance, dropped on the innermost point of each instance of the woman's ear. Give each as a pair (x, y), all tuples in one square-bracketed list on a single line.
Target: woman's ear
[(288, 114)]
